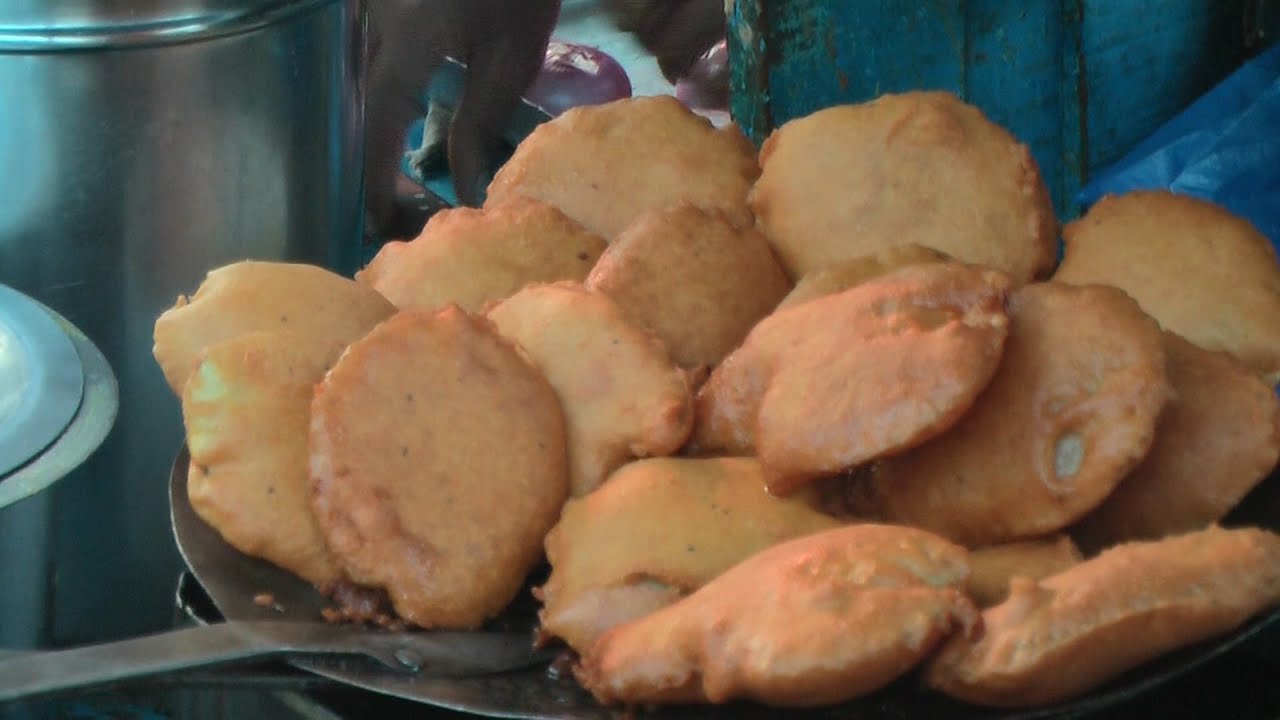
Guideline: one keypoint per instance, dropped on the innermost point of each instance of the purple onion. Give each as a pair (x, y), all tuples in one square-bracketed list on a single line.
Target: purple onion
[(574, 75), (706, 85)]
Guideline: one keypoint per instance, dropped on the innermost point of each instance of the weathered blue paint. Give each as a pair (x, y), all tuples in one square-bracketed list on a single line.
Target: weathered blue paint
[(1080, 81)]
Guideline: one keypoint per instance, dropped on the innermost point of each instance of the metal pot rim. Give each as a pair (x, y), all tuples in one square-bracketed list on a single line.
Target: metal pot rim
[(84, 35)]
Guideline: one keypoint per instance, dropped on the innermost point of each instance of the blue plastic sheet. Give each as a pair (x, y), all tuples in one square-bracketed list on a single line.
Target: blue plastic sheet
[(1224, 148)]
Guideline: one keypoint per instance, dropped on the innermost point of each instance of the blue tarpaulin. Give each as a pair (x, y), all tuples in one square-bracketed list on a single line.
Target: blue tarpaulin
[(1224, 148)]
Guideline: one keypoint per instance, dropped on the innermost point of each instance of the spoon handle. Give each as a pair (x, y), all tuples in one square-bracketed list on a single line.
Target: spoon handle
[(30, 675), (438, 654)]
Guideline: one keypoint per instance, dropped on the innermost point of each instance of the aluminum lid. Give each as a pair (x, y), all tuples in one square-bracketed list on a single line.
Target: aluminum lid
[(41, 380)]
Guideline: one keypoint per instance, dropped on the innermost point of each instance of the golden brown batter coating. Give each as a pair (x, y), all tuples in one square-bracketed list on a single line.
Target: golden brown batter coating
[(246, 408), (1215, 441), (437, 465), (1199, 270), (605, 165), (994, 566), (623, 398), (728, 402), (827, 385), (1065, 635), (813, 621), (693, 279), (658, 529), (319, 306), (838, 277), (1072, 410), (472, 257), (917, 167)]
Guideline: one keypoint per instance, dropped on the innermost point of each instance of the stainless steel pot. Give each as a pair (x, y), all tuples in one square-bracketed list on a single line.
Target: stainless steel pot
[(143, 142), (58, 402)]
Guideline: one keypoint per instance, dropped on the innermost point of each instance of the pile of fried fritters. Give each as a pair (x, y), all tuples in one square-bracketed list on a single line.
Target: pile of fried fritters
[(786, 426)]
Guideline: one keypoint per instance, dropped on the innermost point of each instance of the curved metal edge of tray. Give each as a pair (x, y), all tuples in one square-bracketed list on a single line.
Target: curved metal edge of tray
[(50, 390), (83, 436)]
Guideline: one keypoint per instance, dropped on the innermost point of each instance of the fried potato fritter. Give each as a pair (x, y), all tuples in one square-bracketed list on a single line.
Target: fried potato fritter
[(994, 566), (693, 279), (437, 465), (605, 165), (827, 385), (1072, 410), (658, 529), (917, 167), (840, 276), (472, 257), (319, 306), (813, 621), (1199, 270), (1215, 441), (1065, 635), (246, 408), (786, 426), (623, 398)]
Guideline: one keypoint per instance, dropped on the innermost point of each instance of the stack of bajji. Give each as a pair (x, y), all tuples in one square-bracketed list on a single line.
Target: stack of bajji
[(786, 427)]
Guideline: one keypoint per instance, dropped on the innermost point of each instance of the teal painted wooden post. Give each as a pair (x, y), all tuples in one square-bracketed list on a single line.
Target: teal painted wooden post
[(1080, 81)]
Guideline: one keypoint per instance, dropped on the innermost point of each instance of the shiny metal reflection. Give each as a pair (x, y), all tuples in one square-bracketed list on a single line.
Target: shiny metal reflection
[(128, 169), (41, 379)]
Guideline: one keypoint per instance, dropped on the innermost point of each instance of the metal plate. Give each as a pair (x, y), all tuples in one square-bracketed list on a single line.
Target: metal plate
[(232, 580), (41, 380), (92, 421)]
